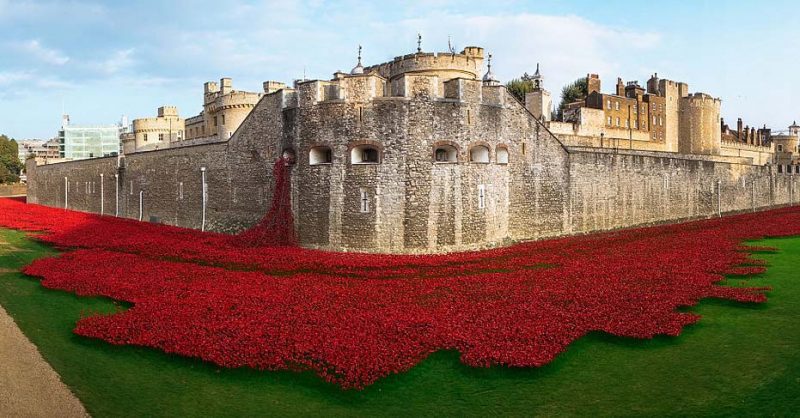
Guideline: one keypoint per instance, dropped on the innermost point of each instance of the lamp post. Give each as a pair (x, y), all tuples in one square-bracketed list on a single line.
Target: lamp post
[(101, 194), (205, 198), (116, 195)]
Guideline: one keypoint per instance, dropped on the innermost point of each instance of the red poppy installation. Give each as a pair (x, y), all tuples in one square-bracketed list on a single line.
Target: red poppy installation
[(355, 318), (277, 227)]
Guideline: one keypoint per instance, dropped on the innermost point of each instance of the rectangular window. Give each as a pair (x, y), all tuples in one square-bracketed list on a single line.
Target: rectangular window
[(660, 121), (626, 123), (617, 121), (131, 186), (780, 168), (364, 202), (215, 121), (609, 105), (481, 196), (797, 169), (160, 137), (223, 120), (654, 120), (616, 105), (636, 124), (180, 190), (144, 137), (523, 148)]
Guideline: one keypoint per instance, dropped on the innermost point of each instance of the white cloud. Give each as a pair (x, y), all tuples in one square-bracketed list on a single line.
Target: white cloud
[(118, 61), (10, 77), (47, 55), (566, 46)]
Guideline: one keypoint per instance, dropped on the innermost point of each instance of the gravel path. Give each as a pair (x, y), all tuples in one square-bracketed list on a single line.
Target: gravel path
[(29, 387)]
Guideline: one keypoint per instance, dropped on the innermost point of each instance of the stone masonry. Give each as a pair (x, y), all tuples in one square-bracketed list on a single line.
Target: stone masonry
[(412, 156)]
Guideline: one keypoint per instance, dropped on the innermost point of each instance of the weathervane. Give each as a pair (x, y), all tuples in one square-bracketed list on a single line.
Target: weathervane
[(359, 55), (450, 45), (419, 42)]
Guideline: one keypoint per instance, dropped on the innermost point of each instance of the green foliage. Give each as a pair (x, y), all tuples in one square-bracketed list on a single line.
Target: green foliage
[(572, 92), (10, 165), (739, 360), (518, 87)]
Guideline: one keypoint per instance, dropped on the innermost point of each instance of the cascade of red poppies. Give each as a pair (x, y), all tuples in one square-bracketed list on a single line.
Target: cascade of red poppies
[(356, 318), (277, 227)]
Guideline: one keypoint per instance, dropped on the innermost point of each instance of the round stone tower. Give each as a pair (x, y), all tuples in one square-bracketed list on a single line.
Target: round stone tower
[(699, 131)]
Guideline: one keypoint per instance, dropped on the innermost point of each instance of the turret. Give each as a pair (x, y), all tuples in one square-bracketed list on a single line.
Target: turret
[(271, 86), (226, 85), (592, 83), (210, 87), (794, 129), (539, 102), (699, 130)]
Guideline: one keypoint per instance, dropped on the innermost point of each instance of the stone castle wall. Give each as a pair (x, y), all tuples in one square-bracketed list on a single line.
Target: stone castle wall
[(415, 204)]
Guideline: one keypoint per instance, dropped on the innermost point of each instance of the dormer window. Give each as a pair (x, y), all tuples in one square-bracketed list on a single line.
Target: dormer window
[(365, 154), (320, 155)]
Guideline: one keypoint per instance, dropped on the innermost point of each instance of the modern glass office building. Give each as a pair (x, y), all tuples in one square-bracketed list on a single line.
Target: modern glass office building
[(89, 141)]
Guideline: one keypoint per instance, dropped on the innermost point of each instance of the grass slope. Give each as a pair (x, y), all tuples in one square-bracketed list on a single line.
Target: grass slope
[(739, 360)]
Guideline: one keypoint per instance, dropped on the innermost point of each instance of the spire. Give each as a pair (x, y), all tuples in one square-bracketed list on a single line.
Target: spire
[(419, 42), (537, 79), (358, 69), (489, 76)]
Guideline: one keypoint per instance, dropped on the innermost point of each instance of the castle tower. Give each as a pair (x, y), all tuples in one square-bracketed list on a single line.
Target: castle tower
[(794, 129), (699, 129), (539, 102), (673, 92)]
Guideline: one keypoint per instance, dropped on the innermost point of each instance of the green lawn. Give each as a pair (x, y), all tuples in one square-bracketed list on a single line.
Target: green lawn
[(739, 360)]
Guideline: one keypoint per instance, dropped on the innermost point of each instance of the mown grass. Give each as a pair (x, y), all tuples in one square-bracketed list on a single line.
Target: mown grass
[(739, 360)]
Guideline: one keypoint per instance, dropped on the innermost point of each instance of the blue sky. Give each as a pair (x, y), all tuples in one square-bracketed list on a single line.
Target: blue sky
[(104, 59)]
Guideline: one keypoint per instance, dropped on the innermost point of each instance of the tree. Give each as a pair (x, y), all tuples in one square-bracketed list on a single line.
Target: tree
[(572, 92), (10, 165), (518, 87)]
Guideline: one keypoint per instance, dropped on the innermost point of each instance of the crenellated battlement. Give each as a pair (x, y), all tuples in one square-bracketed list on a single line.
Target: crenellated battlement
[(701, 99), (467, 64)]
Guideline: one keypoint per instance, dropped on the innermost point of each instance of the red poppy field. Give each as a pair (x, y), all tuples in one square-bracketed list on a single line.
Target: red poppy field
[(355, 318)]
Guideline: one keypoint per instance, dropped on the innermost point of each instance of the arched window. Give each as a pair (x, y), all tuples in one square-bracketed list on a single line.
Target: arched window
[(502, 155), (479, 154), (445, 154), (320, 155), (365, 154)]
